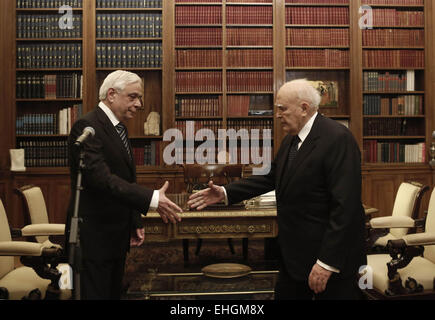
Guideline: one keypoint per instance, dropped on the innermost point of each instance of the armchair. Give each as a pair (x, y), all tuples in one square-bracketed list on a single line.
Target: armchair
[(38, 278), (196, 177), (406, 208), (408, 271), (36, 213)]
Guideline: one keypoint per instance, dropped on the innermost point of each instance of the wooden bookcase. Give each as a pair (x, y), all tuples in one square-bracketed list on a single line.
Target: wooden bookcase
[(283, 44)]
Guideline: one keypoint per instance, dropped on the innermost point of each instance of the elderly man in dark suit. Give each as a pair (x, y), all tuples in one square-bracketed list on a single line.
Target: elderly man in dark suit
[(317, 178), (111, 201)]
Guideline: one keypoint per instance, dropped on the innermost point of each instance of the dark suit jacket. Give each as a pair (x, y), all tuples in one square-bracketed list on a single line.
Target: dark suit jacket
[(111, 200), (320, 214)]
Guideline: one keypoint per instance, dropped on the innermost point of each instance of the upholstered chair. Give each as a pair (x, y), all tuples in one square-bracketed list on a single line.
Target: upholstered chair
[(38, 277), (36, 213), (406, 208), (408, 271)]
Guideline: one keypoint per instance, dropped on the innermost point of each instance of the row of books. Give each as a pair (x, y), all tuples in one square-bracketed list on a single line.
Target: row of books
[(198, 107), (317, 37), (185, 36), (213, 125), (129, 3), (246, 105), (212, 36), (331, 58), (249, 15), (235, 58), (49, 86), (129, 25), (393, 17), (317, 15), (318, 1), (244, 154), (48, 123), (393, 37), (47, 26), (201, 81), (59, 55), (253, 36), (198, 15), (393, 58), (198, 58), (393, 152), (250, 58), (395, 2), (393, 127), (147, 155), (250, 124), (228, 1), (249, 81), (384, 82), (23, 4), (42, 153), (129, 55), (234, 15), (401, 105)]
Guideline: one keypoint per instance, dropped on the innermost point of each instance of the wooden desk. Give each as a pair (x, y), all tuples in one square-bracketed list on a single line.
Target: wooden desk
[(219, 224), (222, 224)]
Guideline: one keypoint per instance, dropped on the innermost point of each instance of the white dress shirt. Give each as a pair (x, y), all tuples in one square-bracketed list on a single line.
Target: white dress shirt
[(155, 198)]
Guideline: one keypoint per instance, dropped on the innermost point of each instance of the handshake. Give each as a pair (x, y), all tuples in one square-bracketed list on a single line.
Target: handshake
[(169, 211)]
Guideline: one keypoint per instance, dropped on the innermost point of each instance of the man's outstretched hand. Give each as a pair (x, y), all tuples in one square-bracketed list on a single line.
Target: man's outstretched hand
[(166, 208), (213, 194)]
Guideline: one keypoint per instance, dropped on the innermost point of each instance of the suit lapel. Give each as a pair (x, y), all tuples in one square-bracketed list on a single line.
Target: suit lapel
[(114, 137), (307, 147)]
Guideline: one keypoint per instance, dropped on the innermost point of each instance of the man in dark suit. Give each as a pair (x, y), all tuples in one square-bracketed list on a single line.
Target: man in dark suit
[(111, 201), (317, 179)]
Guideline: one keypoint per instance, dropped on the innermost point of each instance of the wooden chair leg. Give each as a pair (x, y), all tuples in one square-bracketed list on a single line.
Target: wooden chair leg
[(186, 250), (198, 246), (230, 244), (245, 248)]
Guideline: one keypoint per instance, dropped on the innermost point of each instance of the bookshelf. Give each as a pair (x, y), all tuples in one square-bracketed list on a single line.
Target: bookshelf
[(129, 36), (49, 79), (394, 83), (318, 48), (218, 46)]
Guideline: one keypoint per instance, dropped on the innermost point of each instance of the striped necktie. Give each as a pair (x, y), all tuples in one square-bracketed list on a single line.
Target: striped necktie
[(293, 150), (122, 131)]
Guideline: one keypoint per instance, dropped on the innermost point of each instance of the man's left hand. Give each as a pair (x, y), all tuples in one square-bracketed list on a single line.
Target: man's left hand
[(318, 278), (137, 238)]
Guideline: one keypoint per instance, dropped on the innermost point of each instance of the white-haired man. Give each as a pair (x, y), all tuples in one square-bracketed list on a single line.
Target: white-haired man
[(317, 178), (111, 201)]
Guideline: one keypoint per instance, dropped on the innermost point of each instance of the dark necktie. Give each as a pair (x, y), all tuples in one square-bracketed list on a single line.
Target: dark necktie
[(293, 150), (122, 131)]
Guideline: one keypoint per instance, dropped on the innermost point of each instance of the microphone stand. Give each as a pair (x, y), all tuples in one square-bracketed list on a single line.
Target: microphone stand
[(74, 236)]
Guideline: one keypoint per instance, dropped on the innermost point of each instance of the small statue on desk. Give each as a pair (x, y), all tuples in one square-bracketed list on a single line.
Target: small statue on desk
[(152, 125)]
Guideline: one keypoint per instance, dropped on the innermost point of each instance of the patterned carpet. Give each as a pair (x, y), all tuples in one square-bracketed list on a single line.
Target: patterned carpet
[(160, 268)]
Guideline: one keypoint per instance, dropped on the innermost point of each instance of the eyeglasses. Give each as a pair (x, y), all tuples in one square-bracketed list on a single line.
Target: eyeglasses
[(133, 97)]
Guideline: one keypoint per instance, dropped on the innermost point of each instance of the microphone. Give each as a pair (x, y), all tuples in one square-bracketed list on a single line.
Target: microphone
[(86, 133)]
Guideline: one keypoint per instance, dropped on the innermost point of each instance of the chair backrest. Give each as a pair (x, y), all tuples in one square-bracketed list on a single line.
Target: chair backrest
[(197, 176), (429, 251), (34, 205), (407, 203), (6, 263)]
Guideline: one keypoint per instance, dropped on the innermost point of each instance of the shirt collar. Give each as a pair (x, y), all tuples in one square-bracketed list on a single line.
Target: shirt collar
[(109, 113), (307, 128)]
